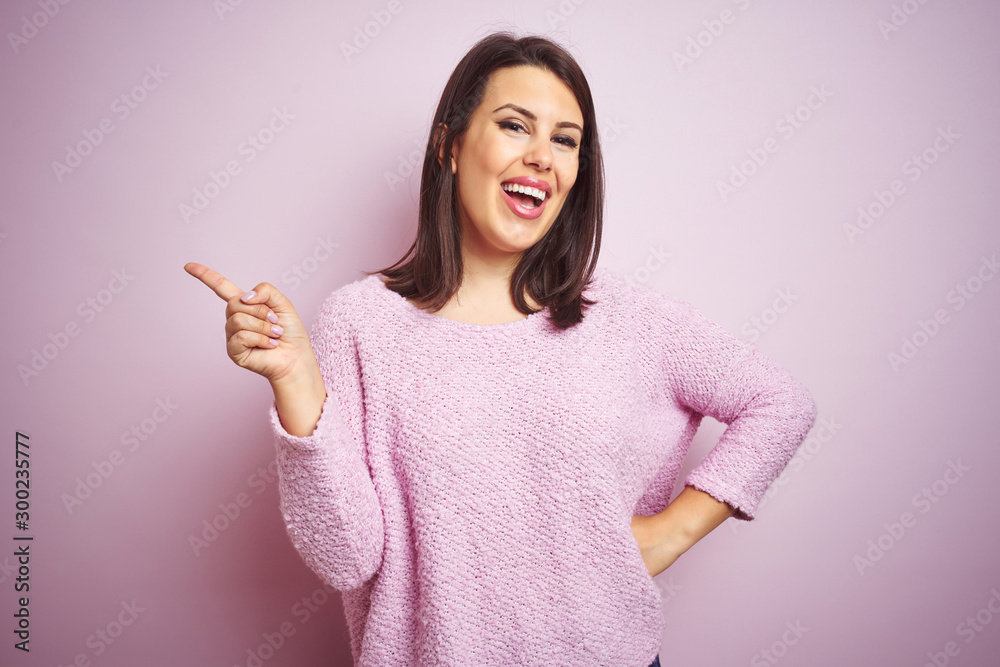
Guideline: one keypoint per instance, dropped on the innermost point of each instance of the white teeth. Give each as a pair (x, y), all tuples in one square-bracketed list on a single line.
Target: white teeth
[(534, 192)]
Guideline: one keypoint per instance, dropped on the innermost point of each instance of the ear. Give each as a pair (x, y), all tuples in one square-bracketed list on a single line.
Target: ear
[(438, 131)]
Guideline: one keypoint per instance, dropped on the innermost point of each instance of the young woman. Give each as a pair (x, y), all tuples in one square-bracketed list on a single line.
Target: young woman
[(478, 446)]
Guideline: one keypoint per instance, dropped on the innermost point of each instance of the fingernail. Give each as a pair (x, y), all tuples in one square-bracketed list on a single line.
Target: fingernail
[(272, 318), (276, 330), (249, 295), (275, 342)]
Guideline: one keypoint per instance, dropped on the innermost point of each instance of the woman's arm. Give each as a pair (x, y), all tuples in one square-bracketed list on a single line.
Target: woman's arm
[(663, 537), (767, 411), (328, 500)]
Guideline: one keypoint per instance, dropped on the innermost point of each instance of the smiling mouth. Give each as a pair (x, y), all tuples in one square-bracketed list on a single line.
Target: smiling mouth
[(524, 196)]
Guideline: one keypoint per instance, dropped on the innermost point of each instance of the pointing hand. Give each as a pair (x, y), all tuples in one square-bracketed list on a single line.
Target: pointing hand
[(263, 332)]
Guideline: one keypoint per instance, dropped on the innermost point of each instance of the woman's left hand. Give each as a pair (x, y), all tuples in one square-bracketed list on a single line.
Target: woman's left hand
[(663, 537), (652, 545)]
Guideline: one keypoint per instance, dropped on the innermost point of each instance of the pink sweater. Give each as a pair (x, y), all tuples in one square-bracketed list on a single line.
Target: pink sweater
[(470, 488)]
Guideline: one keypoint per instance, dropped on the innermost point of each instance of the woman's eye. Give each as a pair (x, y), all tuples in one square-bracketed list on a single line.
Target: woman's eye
[(517, 127), (510, 125)]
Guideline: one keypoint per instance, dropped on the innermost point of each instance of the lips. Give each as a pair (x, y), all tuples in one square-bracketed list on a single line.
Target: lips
[(526, 196)]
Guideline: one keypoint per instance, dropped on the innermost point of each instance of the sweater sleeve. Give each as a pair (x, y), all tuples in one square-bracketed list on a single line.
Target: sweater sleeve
[(328, 500), (767, 411)]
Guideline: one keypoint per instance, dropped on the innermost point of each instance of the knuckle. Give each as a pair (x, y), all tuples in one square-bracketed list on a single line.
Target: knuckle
[(272, 290), (246, 322), (242, 341)]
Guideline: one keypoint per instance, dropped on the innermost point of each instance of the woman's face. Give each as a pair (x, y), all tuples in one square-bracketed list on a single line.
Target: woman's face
[(526, 131)]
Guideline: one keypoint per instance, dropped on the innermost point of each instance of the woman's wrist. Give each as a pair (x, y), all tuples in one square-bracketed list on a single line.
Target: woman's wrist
[(663, 537), (299, 399)]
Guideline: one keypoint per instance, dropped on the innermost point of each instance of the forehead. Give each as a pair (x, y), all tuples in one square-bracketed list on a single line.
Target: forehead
[(533, 88)]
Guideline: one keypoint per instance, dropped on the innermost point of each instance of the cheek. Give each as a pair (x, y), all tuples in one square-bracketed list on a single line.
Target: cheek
[(566, 182), (569, 170), (480, 175), (469, 184)]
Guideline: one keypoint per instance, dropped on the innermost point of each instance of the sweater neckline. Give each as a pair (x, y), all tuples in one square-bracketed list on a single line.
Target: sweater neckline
[(412, 311)]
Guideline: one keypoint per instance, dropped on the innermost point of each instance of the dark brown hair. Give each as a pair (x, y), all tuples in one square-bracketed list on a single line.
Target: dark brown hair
[(557, 268)]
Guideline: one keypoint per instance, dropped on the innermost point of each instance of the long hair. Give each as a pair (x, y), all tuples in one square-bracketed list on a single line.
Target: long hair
[(557, 268)]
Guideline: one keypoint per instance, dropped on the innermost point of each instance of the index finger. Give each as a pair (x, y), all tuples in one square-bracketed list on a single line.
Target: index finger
[(225, 289)]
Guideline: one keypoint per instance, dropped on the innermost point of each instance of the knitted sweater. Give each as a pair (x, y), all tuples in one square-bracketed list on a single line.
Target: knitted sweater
[(470, 488)]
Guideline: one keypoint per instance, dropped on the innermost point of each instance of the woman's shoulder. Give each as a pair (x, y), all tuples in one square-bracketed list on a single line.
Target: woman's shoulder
[(629, 294), (352, 299), (672, 323)]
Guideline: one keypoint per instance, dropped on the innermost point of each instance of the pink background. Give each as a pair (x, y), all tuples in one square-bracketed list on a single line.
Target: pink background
[(831, 307)]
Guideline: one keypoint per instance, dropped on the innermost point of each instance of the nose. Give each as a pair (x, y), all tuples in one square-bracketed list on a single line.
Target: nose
[(539, 153)]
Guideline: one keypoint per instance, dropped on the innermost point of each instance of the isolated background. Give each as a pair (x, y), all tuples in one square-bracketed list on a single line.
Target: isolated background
[(832, 304)]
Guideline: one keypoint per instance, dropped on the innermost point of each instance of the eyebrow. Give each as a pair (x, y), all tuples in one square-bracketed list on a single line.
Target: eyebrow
[(525, 112)]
